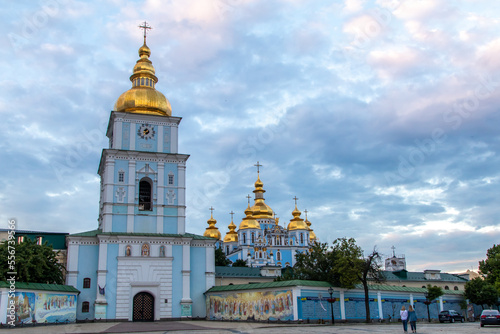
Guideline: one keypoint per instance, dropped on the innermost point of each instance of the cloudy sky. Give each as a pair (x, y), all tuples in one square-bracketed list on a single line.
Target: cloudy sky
[(381, 116)]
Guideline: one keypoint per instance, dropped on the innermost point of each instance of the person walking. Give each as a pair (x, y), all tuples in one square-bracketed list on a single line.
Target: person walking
[(404, 318), (412, 318)]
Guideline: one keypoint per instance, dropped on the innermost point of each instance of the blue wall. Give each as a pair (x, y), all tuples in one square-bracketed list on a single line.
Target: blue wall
[(112, 266), (87, 267)]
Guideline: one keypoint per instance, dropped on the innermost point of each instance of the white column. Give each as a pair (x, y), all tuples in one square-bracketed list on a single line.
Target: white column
[(186, 273), (181, 198), (440, 303), (108, 196), (295, 296), (411, 299), (131, 196), (4, 303), (102, 269), (379, 304), (173, 139), (160, 196), (159, 141), (72, 264), (210, 266), (117, 135), (132, 136), (342, 305)]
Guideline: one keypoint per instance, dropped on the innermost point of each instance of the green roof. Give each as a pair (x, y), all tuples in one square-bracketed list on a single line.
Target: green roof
[(41, 286), (320, 284), (95, 233), (269, 285), (403, 275), (221, 271)]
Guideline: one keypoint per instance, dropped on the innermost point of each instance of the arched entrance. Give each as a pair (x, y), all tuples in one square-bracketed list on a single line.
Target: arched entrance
[(144, 307)]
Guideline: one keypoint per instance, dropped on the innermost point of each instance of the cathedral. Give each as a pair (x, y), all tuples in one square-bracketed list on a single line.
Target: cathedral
[(260, 240), (140, 264)]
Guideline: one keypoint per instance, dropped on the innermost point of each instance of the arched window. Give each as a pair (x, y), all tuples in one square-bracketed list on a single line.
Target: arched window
[(278, 256), (455, 288), (86, 283), (128, 251), (145, 250), (423, 286), (244, 238), (85, 307), (287, 264), (278, 264), (302, 238), (227, 249), (145, 195), (446, 287), (253, 237)]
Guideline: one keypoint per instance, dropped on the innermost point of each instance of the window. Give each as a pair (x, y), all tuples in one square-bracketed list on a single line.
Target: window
[(145, 250), (142, 81), (302, 238), (20, 239), (278, 256), (85, 307), (253, 237), (145, 195), (446, 287), (39, 241), (455, 288), (227, 249), (244, 238), (86, 283), (121, 176), (423, 287), (147, 81), (171, 179), (162, 251)]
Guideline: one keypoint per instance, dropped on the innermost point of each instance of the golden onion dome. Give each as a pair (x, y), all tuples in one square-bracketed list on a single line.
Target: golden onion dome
[(260, 209), (249, 222), (143, 98), (296, 223), (231, 236), (212, 231)]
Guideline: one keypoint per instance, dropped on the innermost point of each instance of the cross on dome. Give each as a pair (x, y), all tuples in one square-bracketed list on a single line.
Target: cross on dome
[(258, 167), (146, 27)]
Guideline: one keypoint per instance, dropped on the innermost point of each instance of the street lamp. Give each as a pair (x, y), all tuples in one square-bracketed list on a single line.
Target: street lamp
[(330, 291)]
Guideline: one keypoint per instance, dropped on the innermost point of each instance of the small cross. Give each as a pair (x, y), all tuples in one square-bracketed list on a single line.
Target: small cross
[(295, 198), (145, 27), (305, 211), (249, 198), (393, 251), (258, 167), (211, 210), (231, 213)]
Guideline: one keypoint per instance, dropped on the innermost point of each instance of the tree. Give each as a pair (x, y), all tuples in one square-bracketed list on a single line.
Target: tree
[(480, 292), (220, 258), (490, 268), (33, 263), (432, 293), (240, 263), (341, 265)]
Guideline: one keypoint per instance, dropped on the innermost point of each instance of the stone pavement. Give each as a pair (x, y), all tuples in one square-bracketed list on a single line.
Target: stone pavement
[(215, 327)]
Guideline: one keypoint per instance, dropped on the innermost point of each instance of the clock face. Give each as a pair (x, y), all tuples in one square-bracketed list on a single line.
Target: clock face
[(146, 131)]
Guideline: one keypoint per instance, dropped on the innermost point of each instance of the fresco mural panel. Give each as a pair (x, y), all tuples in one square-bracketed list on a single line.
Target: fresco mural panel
[(259, 305), (43, 307)]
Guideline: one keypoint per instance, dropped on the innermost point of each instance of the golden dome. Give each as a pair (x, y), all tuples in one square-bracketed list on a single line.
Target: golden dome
[(231, 236), (296, 223), (312, 235), (143, 98), (212, 231), (249, 222), (260, 209)]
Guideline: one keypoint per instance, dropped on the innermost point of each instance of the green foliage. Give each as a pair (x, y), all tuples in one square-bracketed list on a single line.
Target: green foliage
[(315, 265), (480, 292), (240, 263), (433, 292), (33, 263), (490, 268), (220, 258), (287, 274)]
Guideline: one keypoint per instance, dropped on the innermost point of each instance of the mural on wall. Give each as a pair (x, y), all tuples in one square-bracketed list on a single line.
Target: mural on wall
[(44, 307), (261, 305), (24, 306)]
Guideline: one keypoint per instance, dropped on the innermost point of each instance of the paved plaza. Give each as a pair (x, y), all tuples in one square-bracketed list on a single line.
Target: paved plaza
[(214, 327)]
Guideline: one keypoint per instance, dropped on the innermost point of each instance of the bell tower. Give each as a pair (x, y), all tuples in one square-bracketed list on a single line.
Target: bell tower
[(142, 174)]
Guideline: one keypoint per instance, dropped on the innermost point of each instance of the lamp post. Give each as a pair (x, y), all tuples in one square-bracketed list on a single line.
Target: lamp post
[(330, 291)]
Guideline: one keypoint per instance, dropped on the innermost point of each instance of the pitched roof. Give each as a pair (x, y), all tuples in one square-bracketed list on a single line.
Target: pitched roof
[(221, 271), (268, 285), (403, 275), (41, 286), (97, 232)]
